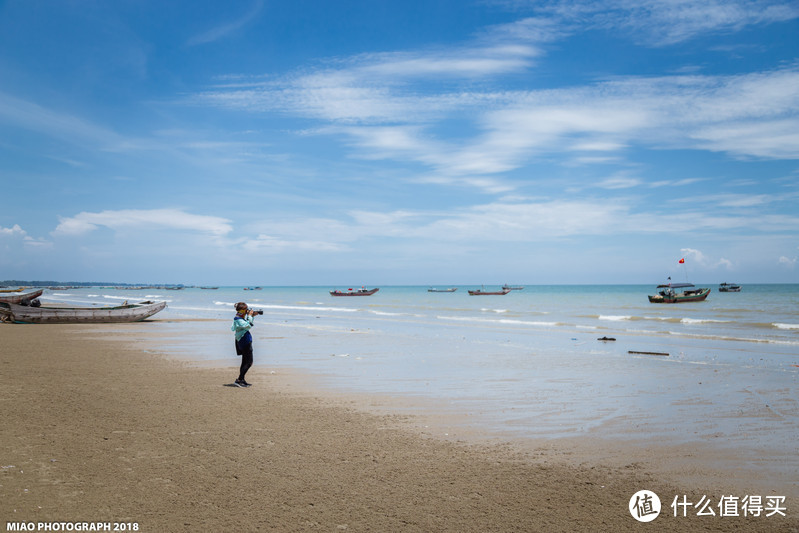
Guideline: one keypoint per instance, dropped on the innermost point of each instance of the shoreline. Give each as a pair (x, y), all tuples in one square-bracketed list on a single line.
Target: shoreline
[(98, 427), (685, 450)]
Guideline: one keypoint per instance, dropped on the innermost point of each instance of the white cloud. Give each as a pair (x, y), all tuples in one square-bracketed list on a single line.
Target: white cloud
[(726, 263), (154, 218), (384, 106), (15, 235), (787, 262), (695, 256), (13, 231)]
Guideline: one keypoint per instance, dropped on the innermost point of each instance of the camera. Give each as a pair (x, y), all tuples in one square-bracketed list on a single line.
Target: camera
[(257, 312)]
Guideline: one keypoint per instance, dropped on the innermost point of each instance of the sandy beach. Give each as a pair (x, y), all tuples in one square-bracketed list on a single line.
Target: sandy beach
[(98, 429)]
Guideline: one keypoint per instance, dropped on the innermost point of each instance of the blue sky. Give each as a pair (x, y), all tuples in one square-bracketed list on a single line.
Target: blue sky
[(449, 142)]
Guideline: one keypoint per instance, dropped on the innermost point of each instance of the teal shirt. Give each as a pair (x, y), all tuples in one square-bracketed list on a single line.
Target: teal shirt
[(241, 326)]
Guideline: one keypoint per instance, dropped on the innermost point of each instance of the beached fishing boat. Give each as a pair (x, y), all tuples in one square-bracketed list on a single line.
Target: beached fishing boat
[(729, 287), (451, 289), (480, 292), (19, 299), (78, 315), (668, 295), (350, 292)]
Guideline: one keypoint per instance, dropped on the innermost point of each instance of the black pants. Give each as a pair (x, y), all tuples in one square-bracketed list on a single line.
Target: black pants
[(244, 349)]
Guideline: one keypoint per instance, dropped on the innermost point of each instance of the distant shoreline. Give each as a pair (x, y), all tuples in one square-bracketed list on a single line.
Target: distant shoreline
[(85, 284)]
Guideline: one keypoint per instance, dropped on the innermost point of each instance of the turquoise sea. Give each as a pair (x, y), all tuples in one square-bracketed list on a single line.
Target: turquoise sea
[(529, 363)]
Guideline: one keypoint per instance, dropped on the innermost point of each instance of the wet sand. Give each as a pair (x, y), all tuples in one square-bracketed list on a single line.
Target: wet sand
[(99, 429)]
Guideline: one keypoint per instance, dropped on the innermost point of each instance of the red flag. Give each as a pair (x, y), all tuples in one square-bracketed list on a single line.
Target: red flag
[(681, 261)]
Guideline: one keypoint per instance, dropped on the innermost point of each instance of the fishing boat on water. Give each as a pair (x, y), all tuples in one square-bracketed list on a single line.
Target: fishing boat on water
[(729, 287), (20, 299), (23, 314), (353, 292), (451, 289), (669, 293), (511, 288), (481, 292)]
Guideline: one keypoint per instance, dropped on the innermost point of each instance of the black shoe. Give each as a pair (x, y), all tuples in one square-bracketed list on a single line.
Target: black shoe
[(245, 384), (239, 383)]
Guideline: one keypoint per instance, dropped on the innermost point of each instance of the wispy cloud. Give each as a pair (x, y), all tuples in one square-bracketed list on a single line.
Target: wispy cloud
[(65, 126), (271, 244), (218, 32), (377, 105), (666, 22), (516, 220), (141, 218)]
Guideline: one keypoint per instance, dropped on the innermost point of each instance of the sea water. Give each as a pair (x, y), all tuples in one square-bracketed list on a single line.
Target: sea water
[(529, 363)]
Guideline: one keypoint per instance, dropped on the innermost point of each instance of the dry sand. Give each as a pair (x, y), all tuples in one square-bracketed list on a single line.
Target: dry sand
[(95, 430)]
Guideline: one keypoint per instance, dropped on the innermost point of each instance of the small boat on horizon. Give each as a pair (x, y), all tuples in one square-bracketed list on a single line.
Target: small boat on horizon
[(22, 314), (510, 288), (729, 287), (481, 292), (352, 292), (668, 294), (451, 289)]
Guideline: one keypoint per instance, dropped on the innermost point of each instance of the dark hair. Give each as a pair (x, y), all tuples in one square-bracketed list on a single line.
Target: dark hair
[(241, 306)]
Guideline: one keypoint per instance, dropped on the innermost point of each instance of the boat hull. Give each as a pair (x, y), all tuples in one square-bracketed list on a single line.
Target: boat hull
[(729, 287), (21, 314), (489, 293), (19, 298), (354, 293), (682, 297)]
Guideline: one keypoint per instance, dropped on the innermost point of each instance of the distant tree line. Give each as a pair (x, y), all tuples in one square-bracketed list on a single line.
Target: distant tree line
[(27, 283)]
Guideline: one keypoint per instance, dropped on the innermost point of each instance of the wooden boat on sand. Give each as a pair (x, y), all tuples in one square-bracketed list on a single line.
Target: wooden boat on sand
[(23, 314), (19, 299), (668, 294), (350, 292)]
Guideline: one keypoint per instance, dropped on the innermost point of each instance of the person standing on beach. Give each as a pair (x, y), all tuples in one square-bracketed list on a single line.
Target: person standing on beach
[(241, 329)]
